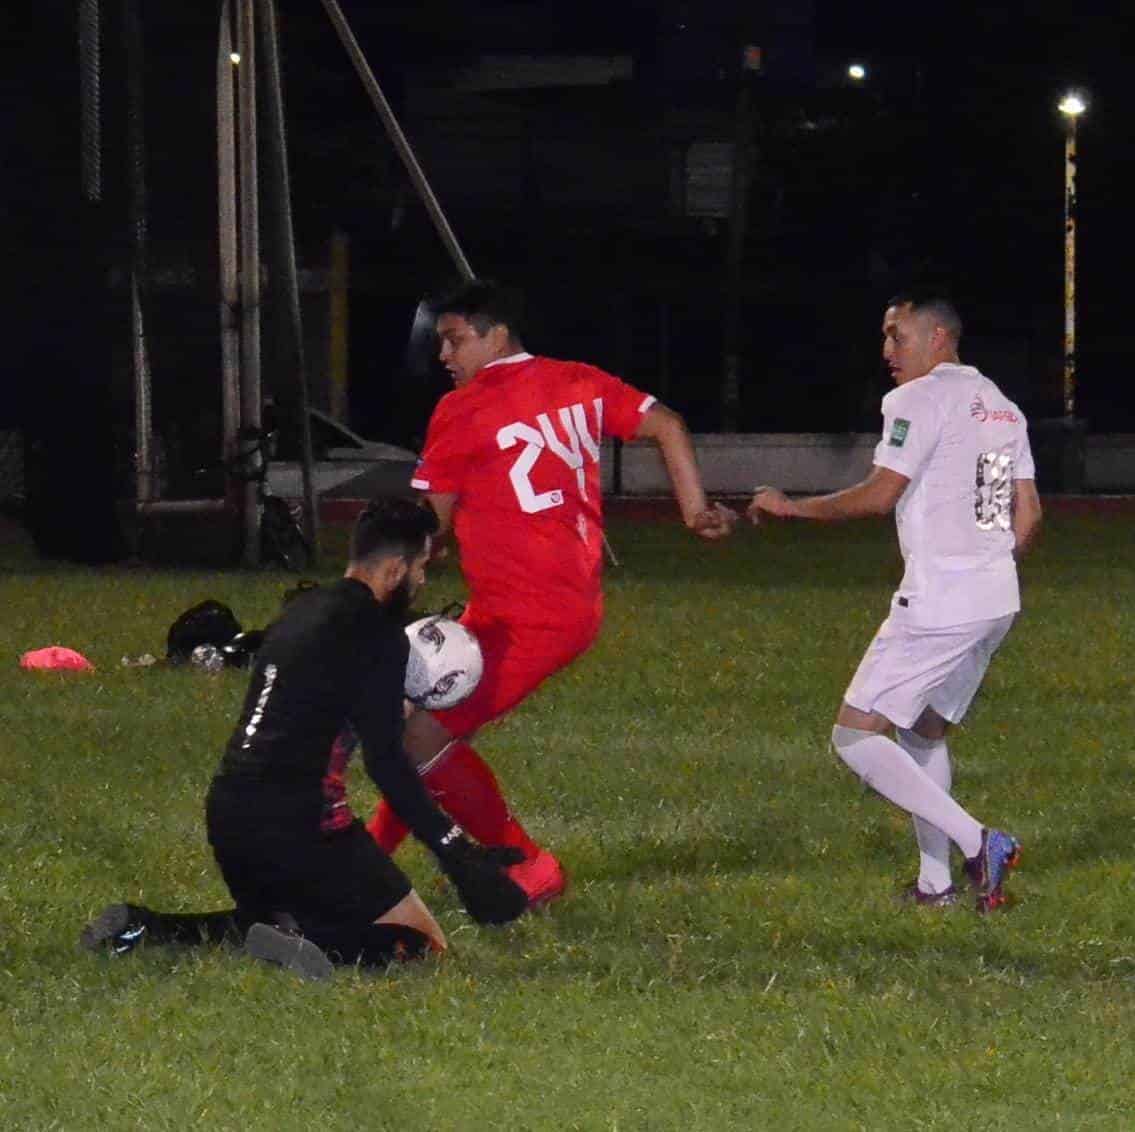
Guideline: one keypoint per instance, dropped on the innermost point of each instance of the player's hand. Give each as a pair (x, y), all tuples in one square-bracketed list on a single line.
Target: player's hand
[(771, 501), (714, 522), (489, 894)]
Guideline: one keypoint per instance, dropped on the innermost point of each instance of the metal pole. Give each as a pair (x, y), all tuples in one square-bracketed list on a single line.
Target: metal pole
[(338, 317), (249, 263), (734, 258), (394, 131), (146, 479), (227, 234), (285, 256), (1070, 267), (90, 99), (182, 506)]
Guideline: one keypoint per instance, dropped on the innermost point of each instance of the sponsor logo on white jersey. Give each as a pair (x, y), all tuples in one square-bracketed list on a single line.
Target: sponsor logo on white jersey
[(980, 413)]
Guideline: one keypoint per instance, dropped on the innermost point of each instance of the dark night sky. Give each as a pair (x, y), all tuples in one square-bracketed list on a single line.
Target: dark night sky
[(982, 156), (981, 151), (950, 159)]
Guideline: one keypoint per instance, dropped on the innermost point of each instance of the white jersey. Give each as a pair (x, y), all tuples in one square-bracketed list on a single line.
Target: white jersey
[(961, 442)]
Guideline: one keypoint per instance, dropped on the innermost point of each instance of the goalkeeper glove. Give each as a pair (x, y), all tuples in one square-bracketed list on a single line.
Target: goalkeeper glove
[(489, 894)]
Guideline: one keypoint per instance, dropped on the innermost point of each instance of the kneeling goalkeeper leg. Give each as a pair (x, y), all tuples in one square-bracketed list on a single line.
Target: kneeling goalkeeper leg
[(122, 927)]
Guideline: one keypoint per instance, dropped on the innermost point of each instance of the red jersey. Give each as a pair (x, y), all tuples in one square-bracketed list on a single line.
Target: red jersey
[(519, 447)]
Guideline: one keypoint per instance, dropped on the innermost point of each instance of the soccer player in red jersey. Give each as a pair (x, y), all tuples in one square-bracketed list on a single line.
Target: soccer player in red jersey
[(511, 466)]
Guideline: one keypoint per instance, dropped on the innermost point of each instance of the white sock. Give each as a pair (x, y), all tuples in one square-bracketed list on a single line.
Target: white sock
[(887, 768), (933, 845)]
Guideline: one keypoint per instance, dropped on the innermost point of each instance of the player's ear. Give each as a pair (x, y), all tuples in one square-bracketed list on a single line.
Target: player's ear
[(391, 572)]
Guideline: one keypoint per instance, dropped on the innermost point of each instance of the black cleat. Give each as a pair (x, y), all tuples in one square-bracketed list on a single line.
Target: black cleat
[(287, 950), (118, 927), (912, 894)]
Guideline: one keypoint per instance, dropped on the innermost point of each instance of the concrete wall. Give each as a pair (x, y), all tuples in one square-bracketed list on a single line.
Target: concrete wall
[(814, 462), (1110, 463)]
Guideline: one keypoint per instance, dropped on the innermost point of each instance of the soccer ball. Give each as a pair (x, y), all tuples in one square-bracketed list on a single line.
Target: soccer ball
[(445, 663)]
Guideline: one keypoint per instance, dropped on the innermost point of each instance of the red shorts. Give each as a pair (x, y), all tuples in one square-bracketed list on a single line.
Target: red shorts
[(518, 659)]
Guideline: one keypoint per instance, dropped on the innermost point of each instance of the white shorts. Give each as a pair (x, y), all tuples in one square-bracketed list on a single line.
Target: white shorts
[(908, 668)]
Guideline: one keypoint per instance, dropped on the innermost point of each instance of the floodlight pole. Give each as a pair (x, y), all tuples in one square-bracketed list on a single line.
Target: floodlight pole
[(1070, 264), (1072, 105)]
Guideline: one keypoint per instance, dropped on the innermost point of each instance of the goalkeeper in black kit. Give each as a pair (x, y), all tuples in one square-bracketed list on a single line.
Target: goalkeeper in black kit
[(309, 884)]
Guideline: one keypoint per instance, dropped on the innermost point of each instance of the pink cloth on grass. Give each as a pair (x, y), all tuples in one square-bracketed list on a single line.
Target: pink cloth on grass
[(56, 656)]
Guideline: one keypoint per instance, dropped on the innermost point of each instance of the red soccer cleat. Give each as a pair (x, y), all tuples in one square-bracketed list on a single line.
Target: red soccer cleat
[(542, 878)]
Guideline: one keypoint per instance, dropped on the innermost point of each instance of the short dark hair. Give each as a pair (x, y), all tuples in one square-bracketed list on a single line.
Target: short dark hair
[(933, 302), (485, 304), (392, 527)]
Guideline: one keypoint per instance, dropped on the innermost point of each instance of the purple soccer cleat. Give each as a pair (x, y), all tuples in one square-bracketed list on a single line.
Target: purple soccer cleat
[(987, 871)]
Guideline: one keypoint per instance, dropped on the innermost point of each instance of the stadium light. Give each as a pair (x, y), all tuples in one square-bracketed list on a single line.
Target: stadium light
[(1071, 105), (856, 72), (235, 58)]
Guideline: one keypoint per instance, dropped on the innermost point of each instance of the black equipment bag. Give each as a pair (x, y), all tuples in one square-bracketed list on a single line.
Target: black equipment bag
[(207, 623)]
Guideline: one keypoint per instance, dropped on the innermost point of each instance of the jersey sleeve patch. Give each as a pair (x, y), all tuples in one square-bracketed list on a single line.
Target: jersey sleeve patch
[(911, 429)]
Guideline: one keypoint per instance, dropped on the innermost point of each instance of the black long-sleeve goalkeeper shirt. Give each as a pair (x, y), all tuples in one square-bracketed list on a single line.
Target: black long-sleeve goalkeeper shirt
[(335, 657)]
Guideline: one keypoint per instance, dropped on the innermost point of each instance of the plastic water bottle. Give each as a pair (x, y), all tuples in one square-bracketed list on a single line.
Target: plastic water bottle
[(144, 661), (208, 657)]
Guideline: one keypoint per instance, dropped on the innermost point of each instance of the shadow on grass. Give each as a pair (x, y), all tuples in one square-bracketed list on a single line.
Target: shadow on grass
[(695, 855), (800, 938)]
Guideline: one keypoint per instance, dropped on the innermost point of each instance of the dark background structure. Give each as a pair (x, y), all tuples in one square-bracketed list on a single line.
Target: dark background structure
[(587, 152)]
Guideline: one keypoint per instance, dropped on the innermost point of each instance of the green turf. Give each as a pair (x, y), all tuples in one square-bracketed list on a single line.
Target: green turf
[(730, 955)]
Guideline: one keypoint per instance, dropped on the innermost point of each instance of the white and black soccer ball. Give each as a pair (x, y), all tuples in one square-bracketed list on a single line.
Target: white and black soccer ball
[(445, 663)]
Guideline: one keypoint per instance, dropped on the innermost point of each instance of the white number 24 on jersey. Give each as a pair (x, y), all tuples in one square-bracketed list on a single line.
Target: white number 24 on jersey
[(571, 440)]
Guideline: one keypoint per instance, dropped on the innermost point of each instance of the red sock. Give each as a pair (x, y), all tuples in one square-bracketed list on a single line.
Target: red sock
[(465, 788), (387, 828)]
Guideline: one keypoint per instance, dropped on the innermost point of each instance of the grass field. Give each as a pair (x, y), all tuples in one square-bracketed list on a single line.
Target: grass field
[(731, 954)]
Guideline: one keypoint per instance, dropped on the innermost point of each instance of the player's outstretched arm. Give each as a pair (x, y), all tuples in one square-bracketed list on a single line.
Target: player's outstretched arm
[(770, 501), (477, 872), (667, 429), (1026, 516), (876, 495)]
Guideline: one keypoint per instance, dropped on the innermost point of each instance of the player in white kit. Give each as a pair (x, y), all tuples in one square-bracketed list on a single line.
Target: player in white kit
[(954, 465)]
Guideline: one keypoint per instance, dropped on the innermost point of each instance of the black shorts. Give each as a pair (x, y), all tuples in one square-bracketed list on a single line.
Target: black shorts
[(323, 880)]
